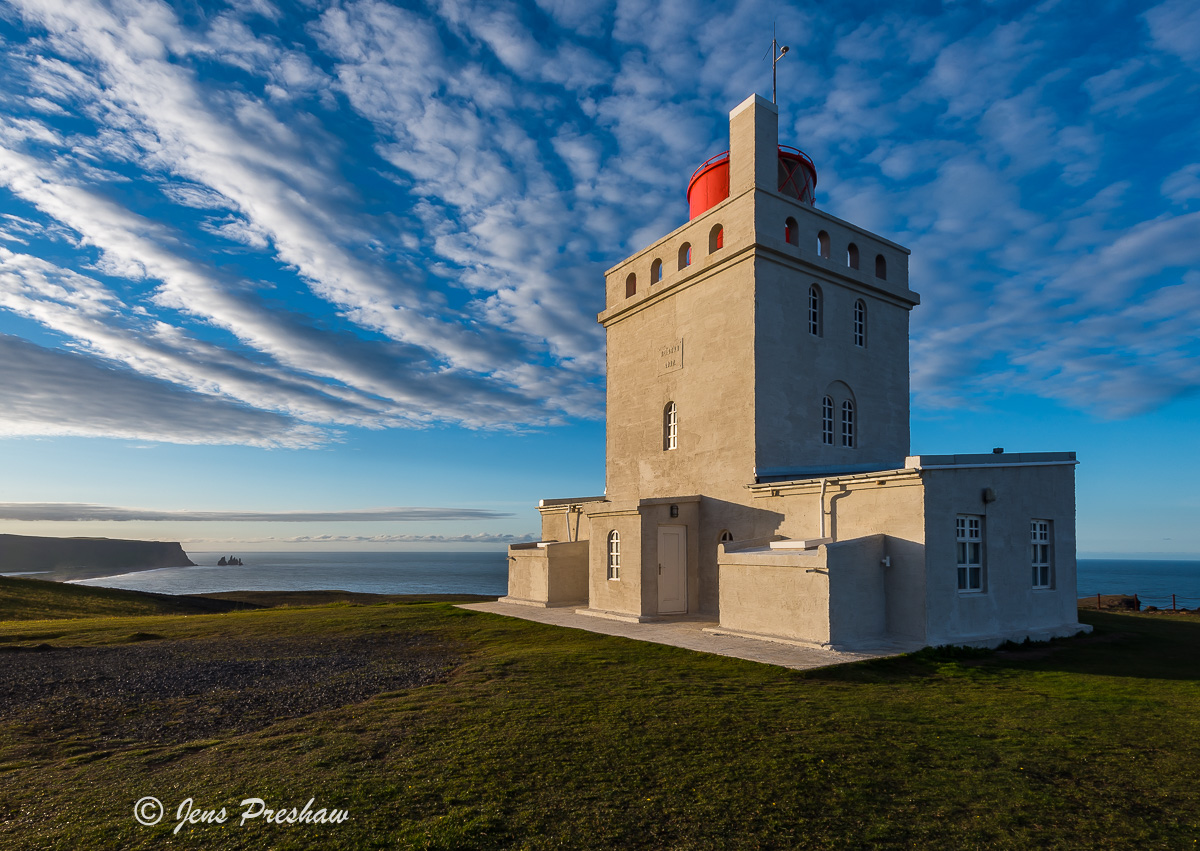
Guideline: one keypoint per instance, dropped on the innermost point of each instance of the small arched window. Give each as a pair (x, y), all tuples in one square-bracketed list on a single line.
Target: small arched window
[(656, 271), (848, 424), (614, 555), (726, 536), (631, 285), (852, 256), (827, 421), (685, 255), (880, 267), (815, 309), (791, 232), (670, 427), (860, 324), (716, 238), (823, 244)]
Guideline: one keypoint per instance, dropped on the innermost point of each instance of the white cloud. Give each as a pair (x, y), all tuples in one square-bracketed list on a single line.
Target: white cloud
[(78, 512), (510, 153), (1183, 185), (61, 393), (1175, 29)]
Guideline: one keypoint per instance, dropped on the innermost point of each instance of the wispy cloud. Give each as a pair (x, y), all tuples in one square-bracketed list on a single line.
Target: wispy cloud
[(309, 220), (56, 392), (77, 512), (480, 538)]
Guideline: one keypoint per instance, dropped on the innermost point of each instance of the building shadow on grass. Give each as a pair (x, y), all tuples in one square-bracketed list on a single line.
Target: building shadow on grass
[(1160, 646)]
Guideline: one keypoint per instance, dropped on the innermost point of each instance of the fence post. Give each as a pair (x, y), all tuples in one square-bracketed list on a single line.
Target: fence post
[(1172, 602), (1097, 602)]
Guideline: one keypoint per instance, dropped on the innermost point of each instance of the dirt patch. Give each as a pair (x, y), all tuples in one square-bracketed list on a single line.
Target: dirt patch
[(157, 692)]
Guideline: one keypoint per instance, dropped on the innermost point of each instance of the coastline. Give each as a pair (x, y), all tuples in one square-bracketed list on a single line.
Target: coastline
[(73, 574)]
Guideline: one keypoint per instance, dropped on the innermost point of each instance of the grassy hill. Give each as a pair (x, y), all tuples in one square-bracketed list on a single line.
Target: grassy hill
[(435, 727), (35, 599)]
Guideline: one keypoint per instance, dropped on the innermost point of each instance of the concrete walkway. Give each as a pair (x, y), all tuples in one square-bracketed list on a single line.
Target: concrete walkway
[(687, 632)]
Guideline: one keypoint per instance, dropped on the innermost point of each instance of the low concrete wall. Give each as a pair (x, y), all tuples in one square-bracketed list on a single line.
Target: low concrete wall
[(775, 593), (548, 574), (857, 593)]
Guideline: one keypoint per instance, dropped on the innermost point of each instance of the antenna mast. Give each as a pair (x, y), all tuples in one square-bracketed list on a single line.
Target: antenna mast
[(777, 53)]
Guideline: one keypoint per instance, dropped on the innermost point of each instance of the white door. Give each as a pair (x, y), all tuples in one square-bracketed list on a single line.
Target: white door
[(672, 569)]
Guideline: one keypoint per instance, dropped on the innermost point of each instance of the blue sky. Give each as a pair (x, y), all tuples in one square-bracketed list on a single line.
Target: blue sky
[(301, 264)]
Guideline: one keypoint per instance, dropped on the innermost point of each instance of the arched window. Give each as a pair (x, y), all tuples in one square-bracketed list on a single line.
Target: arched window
[(726, 536), (791, 232), (852, 256), (656, 271), (631, 285), (815, 309), (860, 324), (716, 238), (848, 424), (827, 421), (670, 427), (685, 255), (823, 244), (880, 267), (614, 555)]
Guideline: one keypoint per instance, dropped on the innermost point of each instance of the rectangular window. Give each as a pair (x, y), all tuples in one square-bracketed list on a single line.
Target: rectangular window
[(968, 536), (1039, 543), (827, 421)]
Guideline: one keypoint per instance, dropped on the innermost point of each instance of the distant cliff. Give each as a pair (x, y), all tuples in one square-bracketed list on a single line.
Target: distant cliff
[(81, 558)]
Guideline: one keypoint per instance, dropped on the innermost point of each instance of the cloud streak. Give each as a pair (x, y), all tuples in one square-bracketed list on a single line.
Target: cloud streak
[(366, 216), (79, 512)]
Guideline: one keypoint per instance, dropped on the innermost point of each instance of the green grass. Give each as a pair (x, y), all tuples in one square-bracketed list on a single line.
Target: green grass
[(551, 738), (34, 599)]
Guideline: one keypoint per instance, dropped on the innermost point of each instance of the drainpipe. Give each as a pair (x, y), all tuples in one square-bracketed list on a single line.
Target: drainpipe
[(570, 510), (823, 507)]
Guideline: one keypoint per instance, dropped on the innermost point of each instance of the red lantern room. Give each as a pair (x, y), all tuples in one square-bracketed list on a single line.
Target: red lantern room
[(709, 185)]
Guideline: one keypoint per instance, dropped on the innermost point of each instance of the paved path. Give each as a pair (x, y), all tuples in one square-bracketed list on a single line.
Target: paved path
[(687, 632)]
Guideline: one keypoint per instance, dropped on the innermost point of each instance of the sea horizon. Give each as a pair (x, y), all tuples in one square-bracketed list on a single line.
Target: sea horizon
[(1154, 581)]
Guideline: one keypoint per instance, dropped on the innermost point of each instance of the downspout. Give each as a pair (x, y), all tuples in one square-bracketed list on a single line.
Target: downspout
[(823, 480), (570, 509)]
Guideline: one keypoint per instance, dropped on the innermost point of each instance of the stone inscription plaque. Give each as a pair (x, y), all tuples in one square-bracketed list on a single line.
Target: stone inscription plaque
[(671, 357)]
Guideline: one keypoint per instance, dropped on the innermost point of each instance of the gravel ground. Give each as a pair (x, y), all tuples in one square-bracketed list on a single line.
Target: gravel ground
[(160, 692)]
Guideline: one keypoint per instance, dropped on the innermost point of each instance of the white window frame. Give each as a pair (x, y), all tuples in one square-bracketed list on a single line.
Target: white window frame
[(860, 323), (614, 555), (670, 427), (968, 540), (1041, 555), (827, 420), (848, 438), (815, 310)]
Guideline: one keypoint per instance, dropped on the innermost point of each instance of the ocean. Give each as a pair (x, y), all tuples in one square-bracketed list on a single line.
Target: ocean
[(1153, 581), (371, 573), (487, 573)]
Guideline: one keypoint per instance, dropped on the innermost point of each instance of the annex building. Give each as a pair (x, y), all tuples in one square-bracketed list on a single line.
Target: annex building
[(757, 460)]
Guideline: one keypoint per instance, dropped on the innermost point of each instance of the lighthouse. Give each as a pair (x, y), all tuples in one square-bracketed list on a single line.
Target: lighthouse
[(758, 471)]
